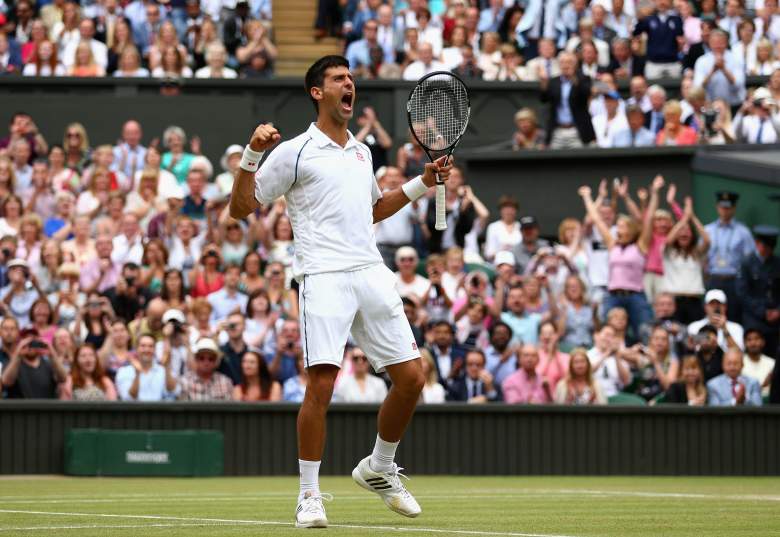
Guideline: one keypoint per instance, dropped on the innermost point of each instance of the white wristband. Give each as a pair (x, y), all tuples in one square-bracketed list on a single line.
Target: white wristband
[(415, 188), (250, 160)]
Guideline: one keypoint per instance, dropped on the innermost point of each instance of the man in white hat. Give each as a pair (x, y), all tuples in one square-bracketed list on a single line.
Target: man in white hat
[(20, 294), (203, 382), (174, 347), (229, 162), (408, 282), (754, 123), (730, 334)]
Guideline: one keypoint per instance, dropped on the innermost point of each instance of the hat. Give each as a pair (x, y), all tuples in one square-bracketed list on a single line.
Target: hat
[(174, 192), (405, 251), (173, 315), (726, 198), (206, 344), (504, 257), (612, 94), (16, 262), (69, 269), (715, 295), (766, 234), (231, 150), (527, 222), (763, 94), (199, 162)]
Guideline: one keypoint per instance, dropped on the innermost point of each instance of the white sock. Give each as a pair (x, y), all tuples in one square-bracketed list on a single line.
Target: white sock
[(310, 476), (383, 455)]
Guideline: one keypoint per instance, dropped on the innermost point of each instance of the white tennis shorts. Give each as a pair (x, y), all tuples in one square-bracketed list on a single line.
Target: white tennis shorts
[(362, 301)]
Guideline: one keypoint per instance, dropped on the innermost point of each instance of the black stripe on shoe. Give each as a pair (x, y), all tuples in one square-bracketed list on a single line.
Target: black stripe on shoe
[(377, 487), (373, 479)]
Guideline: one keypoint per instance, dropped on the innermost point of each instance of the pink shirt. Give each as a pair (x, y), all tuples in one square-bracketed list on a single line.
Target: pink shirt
[(626, 268), (518, 388), (655, 252), (551, 368)]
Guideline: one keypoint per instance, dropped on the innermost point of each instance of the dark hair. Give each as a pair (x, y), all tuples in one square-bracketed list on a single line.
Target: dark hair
[(315, 76), (266, 380), (249, 254), (250, 310), (474, 350), (41, 160), (442, 322), (50, 318), (164, 294), (20, 113), (749, 331), (501, 323), (708, 329)]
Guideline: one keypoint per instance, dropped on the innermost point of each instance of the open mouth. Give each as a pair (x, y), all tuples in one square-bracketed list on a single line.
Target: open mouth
[(346, 102)]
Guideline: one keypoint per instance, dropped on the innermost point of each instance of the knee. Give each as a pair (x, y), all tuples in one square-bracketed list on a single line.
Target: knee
[(413, 385)]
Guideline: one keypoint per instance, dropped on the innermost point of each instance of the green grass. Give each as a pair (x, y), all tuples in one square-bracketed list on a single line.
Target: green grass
[(480, 506)]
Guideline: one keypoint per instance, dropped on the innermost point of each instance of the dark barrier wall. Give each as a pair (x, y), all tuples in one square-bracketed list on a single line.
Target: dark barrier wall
[(446, 439)]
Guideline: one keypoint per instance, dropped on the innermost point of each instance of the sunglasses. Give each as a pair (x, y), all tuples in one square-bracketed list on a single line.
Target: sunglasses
[(404, 259), (230, 228), (208, 357), (359, 357)]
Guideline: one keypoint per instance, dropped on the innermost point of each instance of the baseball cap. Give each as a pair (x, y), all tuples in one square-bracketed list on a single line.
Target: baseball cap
[(504, 258), (726, 199), (206, 344), (405, 251), (173, 315), (612, 94), (528, 222), (715, 295), (16, 262)]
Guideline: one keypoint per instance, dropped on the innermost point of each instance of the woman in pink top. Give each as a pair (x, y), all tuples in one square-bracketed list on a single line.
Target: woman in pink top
[(674, 132), (627, 258), (553, 363)]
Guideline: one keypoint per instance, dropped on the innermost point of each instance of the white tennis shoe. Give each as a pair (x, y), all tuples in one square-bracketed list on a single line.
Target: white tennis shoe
[(310, 512), (388, 486)]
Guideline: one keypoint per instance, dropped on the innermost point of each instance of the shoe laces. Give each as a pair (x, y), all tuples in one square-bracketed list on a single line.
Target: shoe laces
[(313, 502), (393, 476)]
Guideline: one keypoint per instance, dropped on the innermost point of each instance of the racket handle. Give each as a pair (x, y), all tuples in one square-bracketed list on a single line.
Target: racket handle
[(441, 216)]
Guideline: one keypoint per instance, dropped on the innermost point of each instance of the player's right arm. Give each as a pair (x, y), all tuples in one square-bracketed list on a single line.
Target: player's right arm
[(242, 199)]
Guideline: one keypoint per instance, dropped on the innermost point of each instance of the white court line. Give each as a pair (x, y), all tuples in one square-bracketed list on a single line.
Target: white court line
[(120, 526), (276, 523), (255, 496)]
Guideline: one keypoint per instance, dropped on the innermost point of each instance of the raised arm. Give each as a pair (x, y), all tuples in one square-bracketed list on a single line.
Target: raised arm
[(625, 194), (242, 199), (595, 217), (647, 223), (391, 202)]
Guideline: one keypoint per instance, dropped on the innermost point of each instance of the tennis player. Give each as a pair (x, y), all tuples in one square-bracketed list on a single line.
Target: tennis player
[(333, 200)]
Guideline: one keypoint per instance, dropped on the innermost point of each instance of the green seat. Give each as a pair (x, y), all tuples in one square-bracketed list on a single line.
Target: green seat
[(765, 399), (623, 398), (658, 399), (488, 270)]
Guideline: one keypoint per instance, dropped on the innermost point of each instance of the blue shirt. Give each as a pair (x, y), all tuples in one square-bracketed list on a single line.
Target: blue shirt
[(287, 369), (641, 138), (358, 54), (720, 391), (293, 390), (719, 87), (223, 304), (563, 111), (525, 328), (662, 33), (730, 245)]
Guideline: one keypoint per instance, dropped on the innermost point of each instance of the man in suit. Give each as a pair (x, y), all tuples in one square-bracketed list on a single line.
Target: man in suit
[(636, 135), (623, 64), (697, 50), (654, 118), (545, 61), (569, 124), (477, 385), (732, 388), (448, 356)]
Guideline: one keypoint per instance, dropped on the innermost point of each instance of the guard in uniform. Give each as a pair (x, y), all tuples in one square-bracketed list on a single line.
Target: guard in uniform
[(731, 244), (759, 287)]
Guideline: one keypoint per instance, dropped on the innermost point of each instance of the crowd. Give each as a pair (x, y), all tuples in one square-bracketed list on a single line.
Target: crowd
[(169, 40), (123, 276)]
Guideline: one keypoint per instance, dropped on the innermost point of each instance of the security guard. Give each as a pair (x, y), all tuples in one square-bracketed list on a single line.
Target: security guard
[(758, 286), (731, 243)]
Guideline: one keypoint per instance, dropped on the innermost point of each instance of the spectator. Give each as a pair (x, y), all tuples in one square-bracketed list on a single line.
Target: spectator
[(731, 22), (578, 386), (757, 366), (357, 52), (697, 50), (611, 122), (87, 380), (73, 56), (753, 124), (426, 64), (525, 385), (176, 160), (45, 62), (34, 369), (7, 178), (174, 346), (691, 389), (11, 207), (234, 348), (21, 152), (732, 388), (432, 392), (691, 24), (664, 30), (545, 63), (553, 363), (569, 123), (398, 230), (66, 31), (708, 352), (524, 325), (130, 65), (658, 368), (674, 132), (757, 286), (635, 134), (76, 146), (165, 38), (123, 40), (229, 298), (745, 45), (468, 67), (447, 354), (115, 351), (471, 331), (204, 382), (408, 282), (9, 336), (528, 134), (609, 368), (282, 363), (360, 386), (256, 383), (144, 379), (251, 278), (732, 244), (503, 234), (373, 134), (577, 318), (101, 273), (17, 298), (654, 117), (765, 61), (477, 385), (627, 258), (42, 319), (683, 258), (294, 388), (283, 300), (172, 64), (720, 72), (624, 63), (638, 90)]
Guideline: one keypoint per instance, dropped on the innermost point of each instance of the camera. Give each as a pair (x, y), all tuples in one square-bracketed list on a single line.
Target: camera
[(130, 281), (177, 327), (231, 326), (7, 253), (211, 253), (474, 282), (37, 344), (710, 115)]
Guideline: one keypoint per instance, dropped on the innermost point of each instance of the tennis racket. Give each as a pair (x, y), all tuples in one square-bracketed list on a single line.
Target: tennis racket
[(438, 110)]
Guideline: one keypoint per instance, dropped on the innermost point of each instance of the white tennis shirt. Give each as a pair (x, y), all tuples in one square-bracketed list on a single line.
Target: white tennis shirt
[(330, 192)]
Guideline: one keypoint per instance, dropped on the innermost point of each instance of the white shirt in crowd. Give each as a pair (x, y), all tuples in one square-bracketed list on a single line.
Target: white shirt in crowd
[(735, 331), (99, 53), (758, 370), (433, 393), (607, 374), (330, 192), (499, 237), (127, 250), (151, 386), (349, 390), (417, 69), (397, 229), (754, 130), (416, 288), (606, 128), (178, 358), (205, 72), (46, 70)]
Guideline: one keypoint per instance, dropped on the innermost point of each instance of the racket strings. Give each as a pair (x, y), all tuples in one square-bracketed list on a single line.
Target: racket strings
[(439, 111)]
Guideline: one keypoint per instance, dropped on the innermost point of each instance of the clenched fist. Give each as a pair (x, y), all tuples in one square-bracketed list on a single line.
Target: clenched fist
[(264, 137)]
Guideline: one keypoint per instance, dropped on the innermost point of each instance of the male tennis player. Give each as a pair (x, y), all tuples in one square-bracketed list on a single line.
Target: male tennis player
[(333, 201)]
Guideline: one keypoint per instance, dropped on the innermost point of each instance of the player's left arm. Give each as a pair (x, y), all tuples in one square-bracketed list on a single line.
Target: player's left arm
[(392, 202)]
